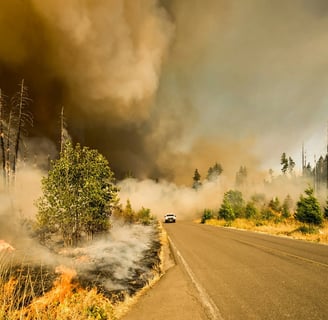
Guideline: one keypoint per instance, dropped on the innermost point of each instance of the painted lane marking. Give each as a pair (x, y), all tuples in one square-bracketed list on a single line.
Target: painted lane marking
[(284, 253), (206, 300)]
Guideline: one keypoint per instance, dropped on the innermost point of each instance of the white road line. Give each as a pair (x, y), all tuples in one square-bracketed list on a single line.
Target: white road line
[(206, 300), (284, 253)]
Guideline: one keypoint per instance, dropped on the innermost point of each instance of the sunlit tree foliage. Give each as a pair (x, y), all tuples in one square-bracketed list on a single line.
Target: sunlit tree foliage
[(308, 209), (78, 194)]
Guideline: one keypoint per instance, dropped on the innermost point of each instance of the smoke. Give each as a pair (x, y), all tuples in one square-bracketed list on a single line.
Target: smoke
[(188, 204), (122, 260), (164, 87)]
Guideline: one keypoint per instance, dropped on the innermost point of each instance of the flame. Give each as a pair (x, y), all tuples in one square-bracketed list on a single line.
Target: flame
[(67, 300), (62, 289), (5, 246), (63, 285)]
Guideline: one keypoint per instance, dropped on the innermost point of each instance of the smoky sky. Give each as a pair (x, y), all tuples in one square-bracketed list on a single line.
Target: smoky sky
[(164, 87)]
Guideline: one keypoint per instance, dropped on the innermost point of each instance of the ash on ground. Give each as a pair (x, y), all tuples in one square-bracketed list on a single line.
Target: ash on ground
[(118, 264), (121, 263)]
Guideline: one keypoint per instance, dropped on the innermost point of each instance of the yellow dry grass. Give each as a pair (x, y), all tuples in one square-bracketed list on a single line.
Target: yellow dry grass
[(289, 228), (65, 301)]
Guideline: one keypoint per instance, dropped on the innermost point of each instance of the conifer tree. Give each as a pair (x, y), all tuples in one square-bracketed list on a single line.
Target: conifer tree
[(308, 209)]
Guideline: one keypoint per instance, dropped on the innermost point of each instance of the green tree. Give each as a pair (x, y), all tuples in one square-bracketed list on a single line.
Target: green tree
[(207, 215), (128, 213), (250, 210), (325, 210), (226, 211), (196, 180), (79, 194), (275, 205), (284, 163), (214, 172), (144, 216), (233, 199), (291, 165), (308, 209), (241, 176), (287, 206)]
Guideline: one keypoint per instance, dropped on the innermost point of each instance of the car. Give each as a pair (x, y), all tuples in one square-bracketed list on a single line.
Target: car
[(170, 217)]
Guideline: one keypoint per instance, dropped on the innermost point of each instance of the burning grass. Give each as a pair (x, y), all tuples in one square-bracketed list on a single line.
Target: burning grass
[(63, 301), (93, 287)]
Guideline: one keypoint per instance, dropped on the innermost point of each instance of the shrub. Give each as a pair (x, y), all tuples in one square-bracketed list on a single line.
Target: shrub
[(266, 213), (309, 229), (207, 215), (144, 216), (250, 210), (226, 212)]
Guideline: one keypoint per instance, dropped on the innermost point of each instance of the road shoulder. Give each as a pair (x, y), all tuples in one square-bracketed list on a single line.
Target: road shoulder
[(172, 297)]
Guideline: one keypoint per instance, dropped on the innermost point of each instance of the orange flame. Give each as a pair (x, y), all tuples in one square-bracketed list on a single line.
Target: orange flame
[(62, 289), (5, 246)]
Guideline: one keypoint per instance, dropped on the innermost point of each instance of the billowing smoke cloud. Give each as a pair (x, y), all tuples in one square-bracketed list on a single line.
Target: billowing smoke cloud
[(164, 87)]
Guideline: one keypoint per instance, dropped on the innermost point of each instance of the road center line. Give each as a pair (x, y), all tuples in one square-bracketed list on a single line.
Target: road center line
[(284, 253), (206, 300)]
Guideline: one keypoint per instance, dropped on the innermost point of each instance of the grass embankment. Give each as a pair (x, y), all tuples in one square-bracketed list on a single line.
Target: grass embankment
[(36, 292), (24, 295), (287, 228)]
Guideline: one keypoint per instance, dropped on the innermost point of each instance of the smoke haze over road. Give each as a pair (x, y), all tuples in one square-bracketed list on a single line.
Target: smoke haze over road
[(164, 87)]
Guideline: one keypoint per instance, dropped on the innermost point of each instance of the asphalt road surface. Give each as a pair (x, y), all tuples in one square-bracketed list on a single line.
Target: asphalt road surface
[(224, 273), (247, 275)]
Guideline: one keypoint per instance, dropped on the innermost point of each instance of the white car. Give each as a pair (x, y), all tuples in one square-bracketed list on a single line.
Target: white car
[(170, 217)]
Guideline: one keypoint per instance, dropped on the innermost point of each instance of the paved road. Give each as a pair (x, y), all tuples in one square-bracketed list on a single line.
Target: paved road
[(230, 274), (246, 275)]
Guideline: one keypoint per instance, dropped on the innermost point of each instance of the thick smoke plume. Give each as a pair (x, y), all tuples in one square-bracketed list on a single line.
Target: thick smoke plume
[(164, 87)]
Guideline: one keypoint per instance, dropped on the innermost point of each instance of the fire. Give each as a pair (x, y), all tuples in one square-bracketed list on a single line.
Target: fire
[(5, 246), (67, 300), (63, 285), (62, 288)]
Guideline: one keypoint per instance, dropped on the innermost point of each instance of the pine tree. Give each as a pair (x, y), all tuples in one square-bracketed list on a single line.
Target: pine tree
[(308, 209), (196, 180), (214, 172), (284, 163)]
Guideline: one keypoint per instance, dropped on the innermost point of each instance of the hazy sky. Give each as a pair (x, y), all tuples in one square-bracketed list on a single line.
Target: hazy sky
[(164, 87)]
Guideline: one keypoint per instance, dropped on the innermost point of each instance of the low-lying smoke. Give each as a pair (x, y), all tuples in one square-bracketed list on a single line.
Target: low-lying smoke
[(112, 263), (189, 204)]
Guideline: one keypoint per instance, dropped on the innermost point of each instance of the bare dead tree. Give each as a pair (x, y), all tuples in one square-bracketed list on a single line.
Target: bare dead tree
[(8, 153), (22, 117), (14, 118), (64, 136), (62, 126), (2, 134)]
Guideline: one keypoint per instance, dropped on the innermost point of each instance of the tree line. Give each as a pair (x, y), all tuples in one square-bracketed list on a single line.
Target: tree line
[(258, 209)]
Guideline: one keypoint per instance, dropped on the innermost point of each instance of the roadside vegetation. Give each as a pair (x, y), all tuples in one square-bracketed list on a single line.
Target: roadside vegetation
[(306, 219), (79, 203)]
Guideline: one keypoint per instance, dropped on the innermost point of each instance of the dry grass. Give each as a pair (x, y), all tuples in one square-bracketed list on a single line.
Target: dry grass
[(288, 228), (29, 293), (19, 300)]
